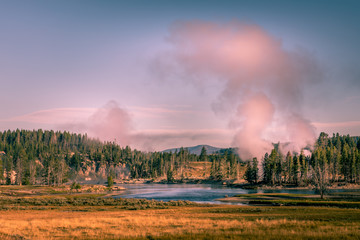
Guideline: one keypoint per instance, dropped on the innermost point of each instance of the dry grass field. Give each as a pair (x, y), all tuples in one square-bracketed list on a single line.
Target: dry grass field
[(204, 222), (201, 170)]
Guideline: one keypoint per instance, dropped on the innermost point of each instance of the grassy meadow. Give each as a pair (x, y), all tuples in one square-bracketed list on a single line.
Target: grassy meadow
[(61, 215), (210, 222)]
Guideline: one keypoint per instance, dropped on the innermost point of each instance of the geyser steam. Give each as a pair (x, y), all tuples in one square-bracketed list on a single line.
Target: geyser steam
[(263, 82), (108, 123), (111, 123), (257, 113)]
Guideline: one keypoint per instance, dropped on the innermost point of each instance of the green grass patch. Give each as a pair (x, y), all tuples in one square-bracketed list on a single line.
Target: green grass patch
[(340, 204), (89, 200), (286, 199), (272, 195)]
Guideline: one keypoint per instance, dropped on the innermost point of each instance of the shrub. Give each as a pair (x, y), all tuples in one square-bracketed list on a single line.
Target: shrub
[(75, 185), (110, 182)]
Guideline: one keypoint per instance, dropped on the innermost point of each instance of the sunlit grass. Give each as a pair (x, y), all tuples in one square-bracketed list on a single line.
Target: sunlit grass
[(211, 222)]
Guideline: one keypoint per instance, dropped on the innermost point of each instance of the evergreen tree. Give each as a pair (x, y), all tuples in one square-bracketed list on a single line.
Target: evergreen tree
[(295, 171), (1, 168), (203, 158), (110, 181), (170, 176), (288, 168), (252, 171), (203, 155)]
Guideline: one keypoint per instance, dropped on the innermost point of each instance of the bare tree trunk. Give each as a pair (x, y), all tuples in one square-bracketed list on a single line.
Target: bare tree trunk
[(19, 172), (32, 173), (321, 179)]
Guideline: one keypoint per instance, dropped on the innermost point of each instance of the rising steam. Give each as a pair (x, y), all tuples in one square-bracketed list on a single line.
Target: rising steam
[(263, 82), (111, 123), (108, 123)]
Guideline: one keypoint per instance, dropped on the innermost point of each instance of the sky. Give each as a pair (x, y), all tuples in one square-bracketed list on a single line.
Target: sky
[(151, 74)]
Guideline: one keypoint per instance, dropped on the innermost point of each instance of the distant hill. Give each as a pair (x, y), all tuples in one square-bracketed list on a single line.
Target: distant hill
[(196, 149)]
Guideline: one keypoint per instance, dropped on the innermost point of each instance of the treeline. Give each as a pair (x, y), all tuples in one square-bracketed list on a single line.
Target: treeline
[(333, 159), (224, 165), (30, 157), (49, 157)]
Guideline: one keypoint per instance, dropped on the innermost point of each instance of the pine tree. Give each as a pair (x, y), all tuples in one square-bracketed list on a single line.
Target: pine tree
[(267, 171), (203, 155), (203, 158), (1, 168), (248, 176), (288, 168), (295, 171)]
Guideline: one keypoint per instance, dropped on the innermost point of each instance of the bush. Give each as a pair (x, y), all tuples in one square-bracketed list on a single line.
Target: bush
[(75, 185), (110, 182)]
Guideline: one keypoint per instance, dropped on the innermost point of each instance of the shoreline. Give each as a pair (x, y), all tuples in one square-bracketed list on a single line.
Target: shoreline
[(231, 184), (41, 190)]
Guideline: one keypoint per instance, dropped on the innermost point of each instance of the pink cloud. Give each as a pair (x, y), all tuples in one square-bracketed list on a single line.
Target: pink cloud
[(345, 127), (53, 116)]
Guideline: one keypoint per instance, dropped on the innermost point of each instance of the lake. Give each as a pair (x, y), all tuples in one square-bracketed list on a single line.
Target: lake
[(201, 193)]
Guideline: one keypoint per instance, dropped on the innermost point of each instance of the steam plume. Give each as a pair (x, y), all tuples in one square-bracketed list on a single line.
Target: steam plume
[(257, 113), (263, 82), (109, 123)]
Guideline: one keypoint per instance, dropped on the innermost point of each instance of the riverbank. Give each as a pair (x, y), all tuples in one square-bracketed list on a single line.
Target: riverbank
[(242, 184), (176, 181), (337, 199), (42, 190), (335, 186), (121, 186)]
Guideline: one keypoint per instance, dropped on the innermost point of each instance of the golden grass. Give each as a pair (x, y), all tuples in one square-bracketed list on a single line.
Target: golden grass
[(223, 222), (197, 170), (201, 170)]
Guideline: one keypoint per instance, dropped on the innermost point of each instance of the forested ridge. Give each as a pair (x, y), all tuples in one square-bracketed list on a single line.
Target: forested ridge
[(332, 160), (55, 157), (49, 157)]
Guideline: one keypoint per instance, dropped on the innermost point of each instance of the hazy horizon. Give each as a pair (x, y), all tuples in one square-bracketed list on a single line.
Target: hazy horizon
[(182, 73)]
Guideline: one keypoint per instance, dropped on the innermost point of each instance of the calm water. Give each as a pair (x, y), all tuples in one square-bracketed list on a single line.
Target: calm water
[(202, 193)]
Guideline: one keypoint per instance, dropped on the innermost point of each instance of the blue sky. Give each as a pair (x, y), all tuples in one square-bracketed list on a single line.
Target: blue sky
[(63, 60)]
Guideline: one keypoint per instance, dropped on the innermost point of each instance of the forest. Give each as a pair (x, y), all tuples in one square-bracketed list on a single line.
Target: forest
[(332, 159), (55, 157)]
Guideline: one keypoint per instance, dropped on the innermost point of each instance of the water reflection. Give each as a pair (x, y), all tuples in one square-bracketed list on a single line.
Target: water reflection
[(202, 193)]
